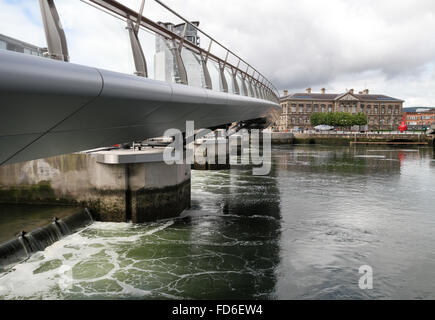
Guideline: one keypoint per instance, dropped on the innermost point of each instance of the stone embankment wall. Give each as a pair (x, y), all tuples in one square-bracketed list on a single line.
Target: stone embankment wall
[(346, 139)]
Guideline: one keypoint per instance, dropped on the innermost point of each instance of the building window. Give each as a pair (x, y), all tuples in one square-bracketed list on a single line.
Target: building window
[(323, 108), (308, 108), (376, 110), (375, 121), (301, 108), (3, 45), (329, 107), (316, 108), (293, 107), (353, 109), (341, 108)]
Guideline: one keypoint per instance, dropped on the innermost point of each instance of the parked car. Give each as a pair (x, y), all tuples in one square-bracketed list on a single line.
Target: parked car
[(323, 128)]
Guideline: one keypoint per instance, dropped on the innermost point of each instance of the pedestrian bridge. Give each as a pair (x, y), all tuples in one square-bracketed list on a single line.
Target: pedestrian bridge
[(51, 106)]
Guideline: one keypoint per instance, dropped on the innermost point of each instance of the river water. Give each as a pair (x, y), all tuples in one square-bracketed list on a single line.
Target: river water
[(300, 233)]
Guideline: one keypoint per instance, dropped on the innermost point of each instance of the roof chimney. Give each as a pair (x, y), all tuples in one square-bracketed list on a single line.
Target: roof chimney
[(323, 90), (308, 90), (285, 92), (351, 91), (366, 91)]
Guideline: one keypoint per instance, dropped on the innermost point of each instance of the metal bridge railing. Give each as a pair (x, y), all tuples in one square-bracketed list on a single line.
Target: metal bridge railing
[(252, 82)]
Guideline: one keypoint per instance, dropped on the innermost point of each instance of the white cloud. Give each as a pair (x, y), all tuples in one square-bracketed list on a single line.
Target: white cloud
[(384, 45)]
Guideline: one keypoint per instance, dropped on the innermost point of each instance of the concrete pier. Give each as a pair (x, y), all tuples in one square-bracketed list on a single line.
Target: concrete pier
[(211, 154), (206, 149), (116, 185)]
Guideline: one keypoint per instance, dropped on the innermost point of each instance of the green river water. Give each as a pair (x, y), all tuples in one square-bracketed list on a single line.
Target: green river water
[(300, 233)]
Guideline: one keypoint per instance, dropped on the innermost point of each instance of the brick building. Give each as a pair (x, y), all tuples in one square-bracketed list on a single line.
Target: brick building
[(383, 112), (420, 120)]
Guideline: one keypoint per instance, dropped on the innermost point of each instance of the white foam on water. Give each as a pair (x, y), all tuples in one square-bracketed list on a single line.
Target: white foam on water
[(370, 156), (111, 226), (22, 283), (409, 150), (394, 150), (163, 227)]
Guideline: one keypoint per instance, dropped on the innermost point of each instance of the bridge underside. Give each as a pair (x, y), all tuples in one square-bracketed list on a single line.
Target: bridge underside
[(50, 108)]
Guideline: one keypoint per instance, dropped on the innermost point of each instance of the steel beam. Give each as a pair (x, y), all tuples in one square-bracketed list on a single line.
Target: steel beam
[(138, 55), (251, 89), (236, 89), (181, 69), (54, 33), (244, 88), (206, 73), (222, 79)]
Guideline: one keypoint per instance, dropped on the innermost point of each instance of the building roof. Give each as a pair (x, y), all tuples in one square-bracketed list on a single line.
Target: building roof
[(337, 96), (431, 111), (19, 42), (414, 109)]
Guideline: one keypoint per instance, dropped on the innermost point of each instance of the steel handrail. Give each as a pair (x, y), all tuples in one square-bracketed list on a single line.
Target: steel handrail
[(129, 14), (215, 41)]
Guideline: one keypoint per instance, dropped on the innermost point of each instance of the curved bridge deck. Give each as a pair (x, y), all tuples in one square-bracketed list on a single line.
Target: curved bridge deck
[(51, 107)]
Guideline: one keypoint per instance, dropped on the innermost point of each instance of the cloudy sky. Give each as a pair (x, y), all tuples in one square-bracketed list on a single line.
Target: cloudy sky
[(387, 46)]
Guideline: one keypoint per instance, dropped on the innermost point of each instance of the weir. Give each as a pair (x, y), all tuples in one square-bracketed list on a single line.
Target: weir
[(111, 185), (25, 244)]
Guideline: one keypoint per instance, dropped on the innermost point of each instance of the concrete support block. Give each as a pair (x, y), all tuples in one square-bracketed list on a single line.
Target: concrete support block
[(116, 185)]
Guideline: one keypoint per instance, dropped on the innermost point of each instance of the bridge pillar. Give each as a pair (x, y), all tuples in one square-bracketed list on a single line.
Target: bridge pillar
[(116, 185), (212, 153)]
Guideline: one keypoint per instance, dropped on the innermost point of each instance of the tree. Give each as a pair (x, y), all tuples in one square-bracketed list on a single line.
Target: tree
[(338, 119), (360, 119), (316, 119)]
